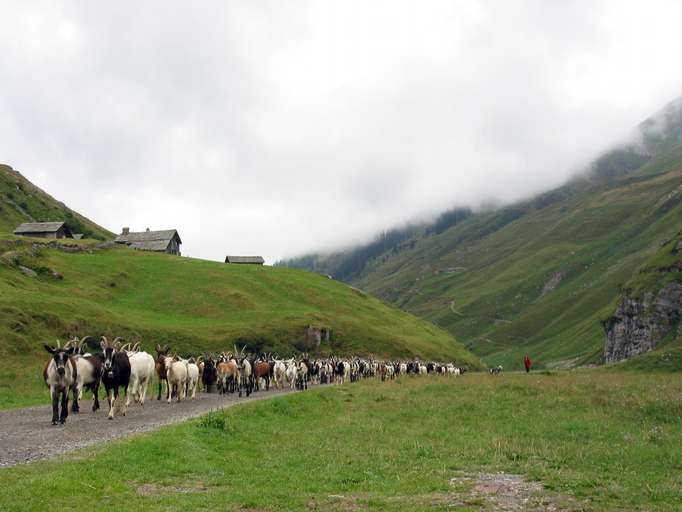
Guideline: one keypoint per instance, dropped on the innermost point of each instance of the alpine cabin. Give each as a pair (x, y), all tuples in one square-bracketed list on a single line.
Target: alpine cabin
[(167, 241), (44, 230), (245, 260)]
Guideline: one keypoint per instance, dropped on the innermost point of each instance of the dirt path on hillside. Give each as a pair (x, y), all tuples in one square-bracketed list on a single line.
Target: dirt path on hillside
[(27, 434)]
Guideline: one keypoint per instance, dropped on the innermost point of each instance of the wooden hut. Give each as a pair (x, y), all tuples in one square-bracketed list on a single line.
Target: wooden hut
[(44, 230), (245, 260), (167, 240)]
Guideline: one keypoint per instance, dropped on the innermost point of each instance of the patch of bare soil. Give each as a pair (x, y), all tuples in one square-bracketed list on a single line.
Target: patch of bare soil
[(509, 492), (165, 490), (481, 492)]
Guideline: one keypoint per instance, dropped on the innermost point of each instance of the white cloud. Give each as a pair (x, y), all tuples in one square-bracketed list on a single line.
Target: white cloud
[(276, 128)]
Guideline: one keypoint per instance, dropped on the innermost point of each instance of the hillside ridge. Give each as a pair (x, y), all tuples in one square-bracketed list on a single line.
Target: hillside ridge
[(22, 201)]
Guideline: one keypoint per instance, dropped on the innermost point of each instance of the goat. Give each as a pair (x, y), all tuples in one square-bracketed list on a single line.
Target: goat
[(201, 364), (209, 374), (176, 373), (342, 371), (302, 375), (279, 371), (291, 373), (142, 367), (228, 373), (60, 375), (161, 353), (89, 369), (245, 367), (192, 378), (116, 372), (261, 371)]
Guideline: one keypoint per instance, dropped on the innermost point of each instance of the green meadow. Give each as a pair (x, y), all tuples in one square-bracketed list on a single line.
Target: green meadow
[(595, 440), (193, 305)]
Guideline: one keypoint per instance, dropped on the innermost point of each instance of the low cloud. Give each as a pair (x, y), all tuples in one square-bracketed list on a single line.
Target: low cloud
[(278, 128)]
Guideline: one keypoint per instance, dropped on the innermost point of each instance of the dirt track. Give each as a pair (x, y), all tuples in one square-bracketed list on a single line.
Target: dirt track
[(27, 434)]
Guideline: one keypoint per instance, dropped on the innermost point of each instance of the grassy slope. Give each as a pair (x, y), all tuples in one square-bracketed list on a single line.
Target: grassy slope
[(193, 305), (21, 201), (602, 440), (487, 288)]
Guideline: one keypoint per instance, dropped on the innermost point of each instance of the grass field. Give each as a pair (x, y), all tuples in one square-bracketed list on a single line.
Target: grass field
[(596, 440), (193, 305)]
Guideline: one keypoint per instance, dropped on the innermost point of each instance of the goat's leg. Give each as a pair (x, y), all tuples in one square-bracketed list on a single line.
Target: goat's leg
[(77, 390), (65, 406), (111, 399), (95, 397), (143, 391), (55, 405), (133, 391), (127, 401)]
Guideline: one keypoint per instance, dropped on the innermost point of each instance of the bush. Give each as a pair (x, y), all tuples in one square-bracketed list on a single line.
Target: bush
[(215, 420)]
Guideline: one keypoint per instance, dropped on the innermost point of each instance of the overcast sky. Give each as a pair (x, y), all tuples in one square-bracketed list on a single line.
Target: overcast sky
[(277, 128)]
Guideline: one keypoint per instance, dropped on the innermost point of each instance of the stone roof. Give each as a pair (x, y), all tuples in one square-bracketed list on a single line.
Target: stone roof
[(151, 245), (254, 260), (148, 236), (39, 227)]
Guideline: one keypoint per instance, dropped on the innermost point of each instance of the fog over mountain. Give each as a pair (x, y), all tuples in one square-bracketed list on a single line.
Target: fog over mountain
[(279, 128)]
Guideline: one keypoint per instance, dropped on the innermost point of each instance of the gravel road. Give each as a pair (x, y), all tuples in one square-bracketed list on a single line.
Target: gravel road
[(27, 434)]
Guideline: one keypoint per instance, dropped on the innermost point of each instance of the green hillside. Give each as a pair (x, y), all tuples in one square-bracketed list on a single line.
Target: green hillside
[(194, 305), (539, 276), (21, 201)]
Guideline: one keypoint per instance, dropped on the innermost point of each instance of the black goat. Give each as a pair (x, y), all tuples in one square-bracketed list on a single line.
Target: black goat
[(115, 372)]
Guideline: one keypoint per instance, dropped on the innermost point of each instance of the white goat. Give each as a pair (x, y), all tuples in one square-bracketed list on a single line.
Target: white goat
[(192, 378), (142, 366), (291, 373), (176, 370), (279, 373)]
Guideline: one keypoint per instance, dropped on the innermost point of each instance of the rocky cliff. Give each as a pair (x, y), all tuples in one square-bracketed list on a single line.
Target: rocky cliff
[(640, 323), (650, 308)]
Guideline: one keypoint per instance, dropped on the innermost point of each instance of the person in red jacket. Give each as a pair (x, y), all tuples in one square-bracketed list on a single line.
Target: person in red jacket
[(527, 363)]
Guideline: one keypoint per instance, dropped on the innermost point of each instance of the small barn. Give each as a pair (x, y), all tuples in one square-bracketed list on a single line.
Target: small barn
[(245, 260), (167, 240), (44, 230)]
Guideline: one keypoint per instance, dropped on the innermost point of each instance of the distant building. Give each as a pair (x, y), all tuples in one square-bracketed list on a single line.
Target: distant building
[(245, 260), (167, 241), (44, 230)]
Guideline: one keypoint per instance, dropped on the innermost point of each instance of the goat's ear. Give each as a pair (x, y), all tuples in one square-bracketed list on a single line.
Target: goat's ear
[(49, 348), (158, 348), (70, 350)]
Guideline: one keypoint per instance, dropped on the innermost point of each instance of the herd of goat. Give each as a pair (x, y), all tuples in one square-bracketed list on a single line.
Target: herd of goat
[(72, 368)]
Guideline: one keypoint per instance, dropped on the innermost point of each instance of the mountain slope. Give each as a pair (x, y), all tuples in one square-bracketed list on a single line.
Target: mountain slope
[(21, 201), (540, 275)]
